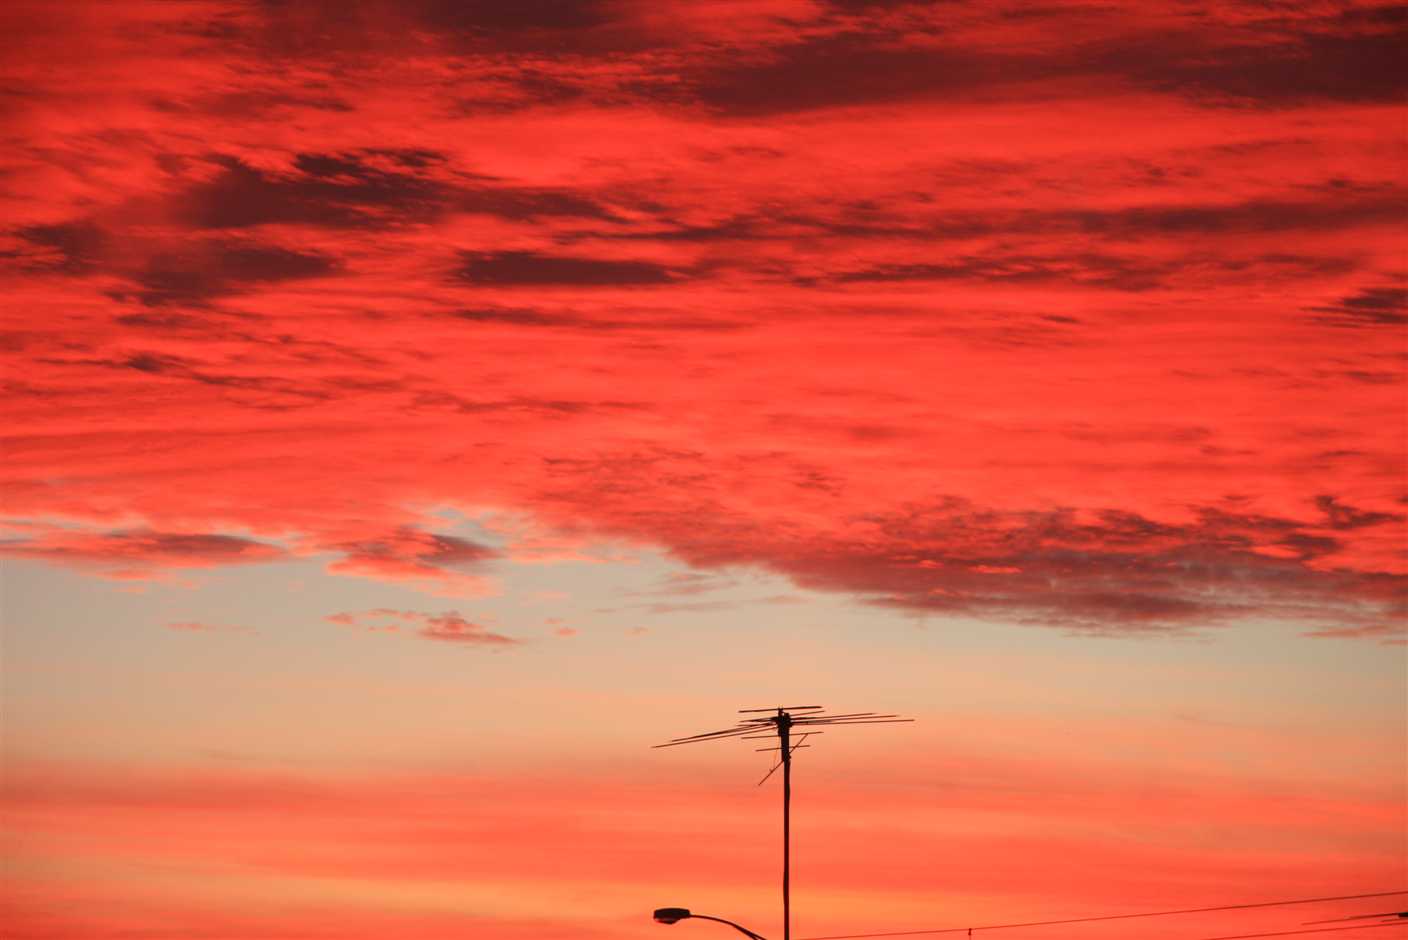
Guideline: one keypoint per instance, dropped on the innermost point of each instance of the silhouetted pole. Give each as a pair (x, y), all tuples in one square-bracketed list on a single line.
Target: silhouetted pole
[(781, 720), (784, 726)]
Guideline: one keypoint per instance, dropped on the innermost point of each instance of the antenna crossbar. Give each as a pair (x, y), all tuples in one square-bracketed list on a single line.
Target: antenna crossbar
[(780, 722)]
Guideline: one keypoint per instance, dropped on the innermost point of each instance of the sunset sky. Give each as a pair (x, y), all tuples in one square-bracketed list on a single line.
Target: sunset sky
[(416, 409)]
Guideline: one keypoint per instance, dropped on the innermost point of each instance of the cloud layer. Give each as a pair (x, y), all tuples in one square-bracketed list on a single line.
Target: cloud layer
[(1090, 321)]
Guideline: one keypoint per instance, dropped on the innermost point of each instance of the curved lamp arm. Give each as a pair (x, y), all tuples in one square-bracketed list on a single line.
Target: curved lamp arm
[(740, 928), (671, 915)]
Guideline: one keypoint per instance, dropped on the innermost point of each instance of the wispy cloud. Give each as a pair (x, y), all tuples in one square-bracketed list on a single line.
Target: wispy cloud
[(447, 627), (139, 553), (198, 626)]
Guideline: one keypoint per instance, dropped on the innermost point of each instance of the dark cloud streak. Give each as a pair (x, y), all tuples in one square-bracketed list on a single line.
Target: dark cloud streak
[(535, 269)]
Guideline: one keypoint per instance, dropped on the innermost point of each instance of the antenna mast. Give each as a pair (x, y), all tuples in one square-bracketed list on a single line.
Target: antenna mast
[(781, 721)]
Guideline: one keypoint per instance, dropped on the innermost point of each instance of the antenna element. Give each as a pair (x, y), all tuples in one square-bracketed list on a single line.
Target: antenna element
[(781, 720)]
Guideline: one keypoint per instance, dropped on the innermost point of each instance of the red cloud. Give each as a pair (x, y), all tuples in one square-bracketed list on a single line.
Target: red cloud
[(439, 561), (902, 338), (452, 628), (139, 553), (448, 627), (1388, 634)]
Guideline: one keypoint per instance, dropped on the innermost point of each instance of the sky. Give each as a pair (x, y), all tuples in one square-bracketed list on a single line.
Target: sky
[(417, 410)]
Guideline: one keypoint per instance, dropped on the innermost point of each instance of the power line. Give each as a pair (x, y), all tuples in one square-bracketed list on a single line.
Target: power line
[(1091, 920), (1292, 933), (1340, 920)]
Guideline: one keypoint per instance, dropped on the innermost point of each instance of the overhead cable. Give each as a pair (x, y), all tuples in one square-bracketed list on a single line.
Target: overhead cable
[(1293, 933), (1091, 920)]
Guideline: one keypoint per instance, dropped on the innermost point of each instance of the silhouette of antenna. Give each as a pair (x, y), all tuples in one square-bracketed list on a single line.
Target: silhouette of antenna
[(784, 721)]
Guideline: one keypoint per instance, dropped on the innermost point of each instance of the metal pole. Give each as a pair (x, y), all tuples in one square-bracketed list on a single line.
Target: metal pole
[(784, 723), (782, 718)]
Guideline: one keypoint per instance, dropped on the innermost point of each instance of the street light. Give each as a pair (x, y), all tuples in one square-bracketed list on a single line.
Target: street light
[(673, 915)]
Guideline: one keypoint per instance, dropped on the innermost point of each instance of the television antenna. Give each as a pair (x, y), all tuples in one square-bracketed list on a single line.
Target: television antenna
[(785, 722)]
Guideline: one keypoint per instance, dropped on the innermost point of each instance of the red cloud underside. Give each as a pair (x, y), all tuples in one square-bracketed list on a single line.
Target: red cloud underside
[(1090, 318)]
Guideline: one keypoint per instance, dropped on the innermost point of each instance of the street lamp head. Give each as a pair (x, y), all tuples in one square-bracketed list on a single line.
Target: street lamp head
[(670, 915)]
